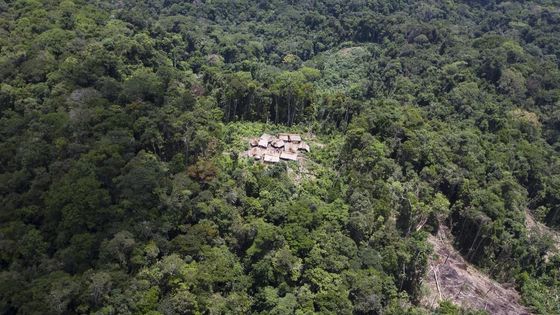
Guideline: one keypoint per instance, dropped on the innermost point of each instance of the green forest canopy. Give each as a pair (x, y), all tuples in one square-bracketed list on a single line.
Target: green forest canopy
[(121, 123)]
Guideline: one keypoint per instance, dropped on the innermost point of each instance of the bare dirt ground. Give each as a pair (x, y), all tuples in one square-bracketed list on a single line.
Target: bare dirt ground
[(541, 229), (450, 277)]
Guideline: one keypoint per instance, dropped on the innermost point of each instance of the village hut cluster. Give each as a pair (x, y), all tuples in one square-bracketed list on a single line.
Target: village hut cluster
[(272, 149)]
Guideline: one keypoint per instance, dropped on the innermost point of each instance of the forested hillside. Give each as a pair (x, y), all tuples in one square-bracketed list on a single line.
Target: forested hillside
[(123, 191)]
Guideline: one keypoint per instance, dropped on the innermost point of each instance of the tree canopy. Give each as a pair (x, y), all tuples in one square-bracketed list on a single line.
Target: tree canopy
[(123, 190)]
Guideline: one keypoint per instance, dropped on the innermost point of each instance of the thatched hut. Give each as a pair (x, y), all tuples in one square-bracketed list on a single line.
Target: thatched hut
[(294, 138), (288, 156), (278, 143), (304, 147), (268, 158)]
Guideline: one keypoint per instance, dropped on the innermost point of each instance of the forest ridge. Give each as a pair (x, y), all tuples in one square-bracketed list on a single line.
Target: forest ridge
[(124, 190)]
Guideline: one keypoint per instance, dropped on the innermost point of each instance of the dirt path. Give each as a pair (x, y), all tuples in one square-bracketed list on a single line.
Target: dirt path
[(450, 277)]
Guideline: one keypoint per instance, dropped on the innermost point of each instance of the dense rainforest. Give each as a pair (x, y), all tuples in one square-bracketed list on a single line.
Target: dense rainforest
[(123, 191)]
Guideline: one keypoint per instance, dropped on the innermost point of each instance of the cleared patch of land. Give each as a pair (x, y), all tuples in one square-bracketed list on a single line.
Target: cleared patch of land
[(450, 277), (541, 229)]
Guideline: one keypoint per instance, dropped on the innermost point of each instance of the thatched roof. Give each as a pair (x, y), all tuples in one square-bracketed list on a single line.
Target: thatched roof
[(271, 149), (304, 146), (284, 136), (278, 143), (263, 143), (271, 158), (255, 152), (266, 136), (288, 156), (291, 147), (294, 137)]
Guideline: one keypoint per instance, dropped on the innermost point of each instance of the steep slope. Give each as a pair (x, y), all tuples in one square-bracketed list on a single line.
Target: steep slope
[(535, 226), (452, 278)]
